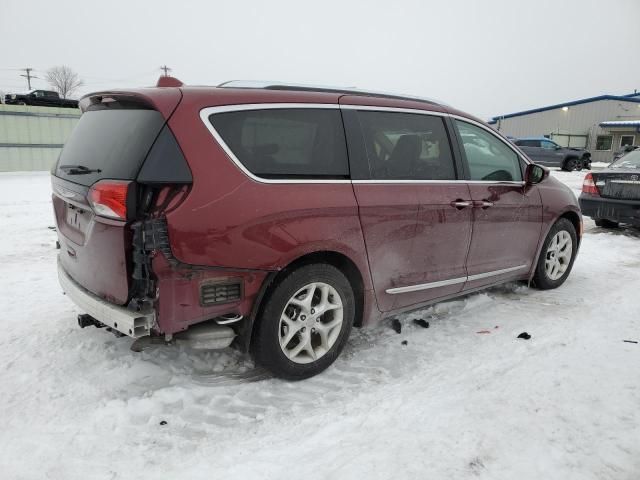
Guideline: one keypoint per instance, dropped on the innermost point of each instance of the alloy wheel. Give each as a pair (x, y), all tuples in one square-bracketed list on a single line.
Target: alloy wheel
[(558, 256), (311, 322)]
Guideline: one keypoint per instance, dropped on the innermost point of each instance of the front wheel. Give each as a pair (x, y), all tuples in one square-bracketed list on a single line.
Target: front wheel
[(557, 256), (305, 322), (570, 165)]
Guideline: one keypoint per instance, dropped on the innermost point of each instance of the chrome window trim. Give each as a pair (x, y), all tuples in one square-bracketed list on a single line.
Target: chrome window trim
[(453, 281), (206, 112), (443, 182)]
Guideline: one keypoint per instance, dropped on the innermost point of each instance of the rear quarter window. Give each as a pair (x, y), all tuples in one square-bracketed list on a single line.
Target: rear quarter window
[(287, 142)]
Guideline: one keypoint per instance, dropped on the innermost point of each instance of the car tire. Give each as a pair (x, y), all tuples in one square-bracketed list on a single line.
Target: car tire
[(305, 322), (569, 165), (604, 223), (556, 256)]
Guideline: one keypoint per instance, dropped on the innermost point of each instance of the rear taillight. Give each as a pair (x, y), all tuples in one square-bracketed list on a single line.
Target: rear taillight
[(589, 185), (109, 198)]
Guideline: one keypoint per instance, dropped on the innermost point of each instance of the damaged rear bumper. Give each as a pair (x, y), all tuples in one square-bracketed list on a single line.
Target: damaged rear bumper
[(127, 322)]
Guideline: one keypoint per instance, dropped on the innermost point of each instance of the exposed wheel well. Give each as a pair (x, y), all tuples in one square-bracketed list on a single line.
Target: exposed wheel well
[(338, 260)]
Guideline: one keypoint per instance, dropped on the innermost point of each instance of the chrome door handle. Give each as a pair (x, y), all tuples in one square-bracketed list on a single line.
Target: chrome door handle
[(460, 204), (482, 204)]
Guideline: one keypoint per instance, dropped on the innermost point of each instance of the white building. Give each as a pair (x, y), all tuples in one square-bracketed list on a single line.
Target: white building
[(602, 125)]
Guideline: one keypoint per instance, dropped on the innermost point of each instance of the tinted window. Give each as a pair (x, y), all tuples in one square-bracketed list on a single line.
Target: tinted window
[(548, 145), (112, 141), (407, 146), (488, 157), (277, 143), (528, 143)]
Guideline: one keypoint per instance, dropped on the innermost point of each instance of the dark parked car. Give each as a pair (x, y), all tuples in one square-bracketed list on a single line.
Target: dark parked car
[(548, 153), (624, 150), (274, 219), (612, 196), (41, 98)]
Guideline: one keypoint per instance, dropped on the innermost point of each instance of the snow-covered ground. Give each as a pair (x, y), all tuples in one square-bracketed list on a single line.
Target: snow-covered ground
[(451, 404)]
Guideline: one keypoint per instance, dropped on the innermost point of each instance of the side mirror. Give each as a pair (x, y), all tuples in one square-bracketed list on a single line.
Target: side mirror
[(558, 147), (535, 174)]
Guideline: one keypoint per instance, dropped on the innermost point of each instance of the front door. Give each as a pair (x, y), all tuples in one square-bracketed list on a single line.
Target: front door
[(415, 214), (507, 214)]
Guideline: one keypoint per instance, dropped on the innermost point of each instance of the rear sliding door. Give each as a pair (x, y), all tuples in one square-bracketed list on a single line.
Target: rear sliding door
[(414, 212)]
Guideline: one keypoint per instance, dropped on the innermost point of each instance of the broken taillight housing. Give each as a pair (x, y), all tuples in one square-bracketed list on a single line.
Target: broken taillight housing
[(589, 185), (108, 198)]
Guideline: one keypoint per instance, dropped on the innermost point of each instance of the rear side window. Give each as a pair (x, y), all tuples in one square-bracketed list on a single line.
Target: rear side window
[(108, 144), (406, 146), (489, 158), (286, 143)]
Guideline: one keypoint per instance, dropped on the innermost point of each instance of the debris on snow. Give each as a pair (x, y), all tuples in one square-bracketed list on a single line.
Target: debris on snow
[(630, 341), (421, 322), (524, 336), (404, 342), (396, 325)]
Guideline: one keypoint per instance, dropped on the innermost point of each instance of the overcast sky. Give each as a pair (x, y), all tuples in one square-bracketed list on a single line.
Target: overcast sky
[(486, 57)]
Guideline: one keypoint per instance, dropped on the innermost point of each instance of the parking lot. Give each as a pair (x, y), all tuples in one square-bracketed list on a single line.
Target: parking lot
[(462, 399)]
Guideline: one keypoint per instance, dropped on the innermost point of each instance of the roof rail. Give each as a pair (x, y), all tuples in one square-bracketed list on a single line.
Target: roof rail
[(323, 89)]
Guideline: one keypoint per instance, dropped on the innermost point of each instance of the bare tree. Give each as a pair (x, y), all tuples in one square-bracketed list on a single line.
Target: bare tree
[(63, 80)]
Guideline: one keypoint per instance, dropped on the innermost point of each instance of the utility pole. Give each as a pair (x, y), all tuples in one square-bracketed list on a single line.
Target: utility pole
[(28, 76), (166, 70)]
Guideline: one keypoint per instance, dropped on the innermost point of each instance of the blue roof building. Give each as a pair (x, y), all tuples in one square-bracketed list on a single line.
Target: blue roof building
[(602, 124)]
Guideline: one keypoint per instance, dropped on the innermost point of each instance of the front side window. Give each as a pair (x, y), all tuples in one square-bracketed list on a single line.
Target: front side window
[(489, 158), (548, 145), (603, 142), (286, 143), (407, 146)]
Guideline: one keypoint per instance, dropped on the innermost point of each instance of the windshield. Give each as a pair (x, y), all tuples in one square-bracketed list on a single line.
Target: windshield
[(630, 160)]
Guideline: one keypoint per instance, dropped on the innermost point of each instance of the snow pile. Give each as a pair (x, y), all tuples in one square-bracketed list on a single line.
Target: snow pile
[(451, 403)]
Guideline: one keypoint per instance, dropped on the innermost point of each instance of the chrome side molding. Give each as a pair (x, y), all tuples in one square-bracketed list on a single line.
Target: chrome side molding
[(453, 281)]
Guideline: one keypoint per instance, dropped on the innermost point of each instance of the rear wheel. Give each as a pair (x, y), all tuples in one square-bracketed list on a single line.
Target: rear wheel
[(557, 256), (604, 223), (305, 322)]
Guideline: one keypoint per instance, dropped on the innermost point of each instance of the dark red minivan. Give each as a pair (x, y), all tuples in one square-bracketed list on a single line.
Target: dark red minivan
[(274, 218)]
